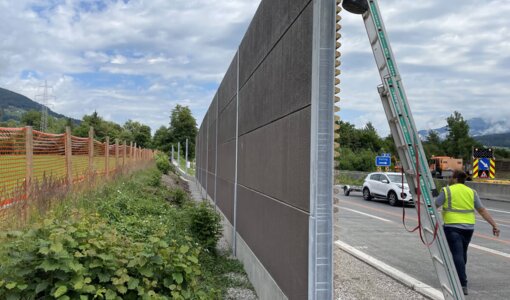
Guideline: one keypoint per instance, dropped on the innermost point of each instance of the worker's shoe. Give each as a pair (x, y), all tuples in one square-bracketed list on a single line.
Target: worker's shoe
[(465, 290)]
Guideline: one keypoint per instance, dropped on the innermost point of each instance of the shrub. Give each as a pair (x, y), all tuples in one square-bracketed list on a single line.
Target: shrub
[(205, 225), (154, 178), (163, 163), (178, 197), (87, 259)]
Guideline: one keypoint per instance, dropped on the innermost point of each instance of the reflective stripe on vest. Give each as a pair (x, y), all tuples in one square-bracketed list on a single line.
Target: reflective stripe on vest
[(462, 209)]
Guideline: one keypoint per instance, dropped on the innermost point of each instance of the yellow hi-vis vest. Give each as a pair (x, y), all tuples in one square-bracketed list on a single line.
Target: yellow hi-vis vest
[(459, 205)]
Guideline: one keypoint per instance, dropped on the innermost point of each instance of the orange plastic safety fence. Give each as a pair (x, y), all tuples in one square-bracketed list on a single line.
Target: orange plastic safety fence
[(49, 161), (12, 163), (80, 158)]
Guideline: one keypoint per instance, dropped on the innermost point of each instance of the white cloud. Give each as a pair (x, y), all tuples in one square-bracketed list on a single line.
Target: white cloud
[(453, 55), (137, 59), (150, 55)]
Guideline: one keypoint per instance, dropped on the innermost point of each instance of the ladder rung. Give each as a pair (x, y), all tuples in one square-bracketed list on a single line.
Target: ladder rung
[(374, 40), (428, 230), (410, 172), (446, 288), (382, 66), (439, 261)]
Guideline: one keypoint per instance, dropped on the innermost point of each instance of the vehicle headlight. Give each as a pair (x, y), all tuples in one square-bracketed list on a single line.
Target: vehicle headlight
[(399, 185)]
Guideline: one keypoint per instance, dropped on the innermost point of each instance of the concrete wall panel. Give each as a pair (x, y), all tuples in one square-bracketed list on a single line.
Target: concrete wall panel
[(228, 86), (225, 198), (282, 84), (211, 185), (226, 160), (270, 22), (278, 235), (227, 123), (275, 159)]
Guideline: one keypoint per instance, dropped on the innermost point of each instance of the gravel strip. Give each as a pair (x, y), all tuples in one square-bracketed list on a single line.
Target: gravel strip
[(356, 280)]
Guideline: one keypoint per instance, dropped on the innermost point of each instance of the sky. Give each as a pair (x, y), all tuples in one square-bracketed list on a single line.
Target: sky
[(137, 59)]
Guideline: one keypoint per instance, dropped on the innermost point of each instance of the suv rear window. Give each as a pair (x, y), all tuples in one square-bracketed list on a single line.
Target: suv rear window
[(375, 177)]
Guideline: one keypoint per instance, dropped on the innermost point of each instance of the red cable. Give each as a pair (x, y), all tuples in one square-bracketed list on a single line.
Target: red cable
[(417, 202)]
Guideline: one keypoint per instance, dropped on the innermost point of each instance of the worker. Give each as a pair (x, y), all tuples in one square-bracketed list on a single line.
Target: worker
[(458, 209)]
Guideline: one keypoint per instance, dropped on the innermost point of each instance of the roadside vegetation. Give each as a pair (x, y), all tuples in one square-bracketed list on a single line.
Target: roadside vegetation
[(132, 238), (359, 147)]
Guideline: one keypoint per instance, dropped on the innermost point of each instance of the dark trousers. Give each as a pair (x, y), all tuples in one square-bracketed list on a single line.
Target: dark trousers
[(458, 241)]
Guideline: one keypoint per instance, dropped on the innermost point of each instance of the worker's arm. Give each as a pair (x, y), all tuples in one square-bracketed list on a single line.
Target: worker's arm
[(440, 199), (487, 217)]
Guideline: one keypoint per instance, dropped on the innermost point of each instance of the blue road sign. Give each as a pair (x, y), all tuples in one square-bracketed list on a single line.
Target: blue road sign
[(484, 164), (382, 161)]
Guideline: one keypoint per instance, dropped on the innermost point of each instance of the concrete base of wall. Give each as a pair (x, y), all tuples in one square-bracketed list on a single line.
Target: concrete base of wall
[(264, 285)]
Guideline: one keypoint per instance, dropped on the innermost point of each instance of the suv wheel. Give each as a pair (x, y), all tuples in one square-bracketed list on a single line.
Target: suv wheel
[(366, 194), (392, 198)]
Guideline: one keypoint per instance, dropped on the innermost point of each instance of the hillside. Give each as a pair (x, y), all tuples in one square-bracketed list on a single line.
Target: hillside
[(498, 140), (478, 127), (13, 105)]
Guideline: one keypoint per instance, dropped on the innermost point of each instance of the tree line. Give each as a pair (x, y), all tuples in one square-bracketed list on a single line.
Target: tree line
[(182, 126), (359, 147)]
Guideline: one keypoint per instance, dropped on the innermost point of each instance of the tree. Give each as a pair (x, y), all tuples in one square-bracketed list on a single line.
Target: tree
[(183, 126), (31, 118), (138, 133), (433, 146), (458, 143), (162, 139)]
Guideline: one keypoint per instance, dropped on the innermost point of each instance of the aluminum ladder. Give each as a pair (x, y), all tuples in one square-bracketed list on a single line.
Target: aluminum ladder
[(408, 144)]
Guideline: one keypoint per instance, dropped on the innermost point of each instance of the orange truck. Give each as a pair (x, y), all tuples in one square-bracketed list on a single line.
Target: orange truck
[(444, 166)]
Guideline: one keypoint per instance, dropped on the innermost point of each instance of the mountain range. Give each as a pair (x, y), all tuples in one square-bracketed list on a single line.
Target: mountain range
[(13, 105), (489, 133)]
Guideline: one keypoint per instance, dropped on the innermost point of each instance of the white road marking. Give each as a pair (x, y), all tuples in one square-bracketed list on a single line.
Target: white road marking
[(368, 215), (490, 250), (398, 275), (501, 211)]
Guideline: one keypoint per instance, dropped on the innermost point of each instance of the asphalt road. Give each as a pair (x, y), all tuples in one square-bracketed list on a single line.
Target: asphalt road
[(376, 228)]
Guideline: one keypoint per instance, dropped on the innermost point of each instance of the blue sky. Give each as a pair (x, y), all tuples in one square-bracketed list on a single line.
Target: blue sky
[(138, 59)]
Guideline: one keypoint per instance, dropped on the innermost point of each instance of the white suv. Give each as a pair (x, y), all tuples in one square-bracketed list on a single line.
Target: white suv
[(387, 186)]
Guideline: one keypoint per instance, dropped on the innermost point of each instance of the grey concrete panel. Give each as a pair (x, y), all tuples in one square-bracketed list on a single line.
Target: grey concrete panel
[(212, 111), (211, 141), (210, 185), (282, 84), (225, 198), (272, 19), (278, 235), (275, 159), (227, 123), (228, 86), (211, 163), (226, 160)]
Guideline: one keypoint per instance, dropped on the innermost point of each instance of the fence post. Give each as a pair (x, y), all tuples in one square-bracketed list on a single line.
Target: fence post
[(124, 155), (116, 155), (107, 157), (29, 152), (91, 152), (69, 154), (134, 152), (131, 152)]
